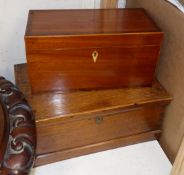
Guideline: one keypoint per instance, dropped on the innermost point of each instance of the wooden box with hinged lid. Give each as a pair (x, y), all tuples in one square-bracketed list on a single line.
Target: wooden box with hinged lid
[(81, 122), (91, 49)]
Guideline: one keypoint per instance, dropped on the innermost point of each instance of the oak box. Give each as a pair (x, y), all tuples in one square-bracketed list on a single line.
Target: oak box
[(91, 49)]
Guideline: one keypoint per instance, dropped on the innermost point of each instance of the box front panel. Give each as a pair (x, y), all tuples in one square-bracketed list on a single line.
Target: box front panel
[(92, 68), (96, 129)]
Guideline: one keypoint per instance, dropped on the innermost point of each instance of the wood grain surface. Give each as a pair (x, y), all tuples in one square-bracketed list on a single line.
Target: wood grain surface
[(80, 122), (84, 22), (60, 47), (41, 44), (95, 128), (93, 148), (75, 69), (50, 106)]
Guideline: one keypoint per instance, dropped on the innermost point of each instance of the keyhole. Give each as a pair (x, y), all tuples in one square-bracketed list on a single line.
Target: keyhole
[(99, 120), (95, 56)]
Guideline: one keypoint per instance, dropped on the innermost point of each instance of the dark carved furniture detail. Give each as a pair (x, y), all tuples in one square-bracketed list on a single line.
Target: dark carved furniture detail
[(18, 147)]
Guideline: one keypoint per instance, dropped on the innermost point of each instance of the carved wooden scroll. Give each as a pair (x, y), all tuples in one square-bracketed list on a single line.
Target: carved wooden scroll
[(19, 141)]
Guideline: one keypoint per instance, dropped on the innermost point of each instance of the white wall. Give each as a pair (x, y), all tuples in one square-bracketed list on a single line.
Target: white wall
[(13, 18)]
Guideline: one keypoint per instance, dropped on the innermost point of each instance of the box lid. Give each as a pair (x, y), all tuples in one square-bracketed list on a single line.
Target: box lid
[(57, 105), (85, 22)]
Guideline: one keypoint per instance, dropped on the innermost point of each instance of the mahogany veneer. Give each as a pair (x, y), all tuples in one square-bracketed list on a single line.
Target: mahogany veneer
[(91, 49), (2, 127), (81, 122)]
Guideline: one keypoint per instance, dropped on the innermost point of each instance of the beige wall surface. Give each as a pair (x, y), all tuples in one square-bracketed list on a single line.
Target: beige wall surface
[(182, 1), (178, 167), (170, 69), (109, 3)]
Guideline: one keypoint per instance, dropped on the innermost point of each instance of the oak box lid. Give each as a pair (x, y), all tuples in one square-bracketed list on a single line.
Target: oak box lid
[(85, 22)]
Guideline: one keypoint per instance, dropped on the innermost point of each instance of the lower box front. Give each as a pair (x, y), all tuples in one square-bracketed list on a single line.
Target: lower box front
[(97, 128)]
